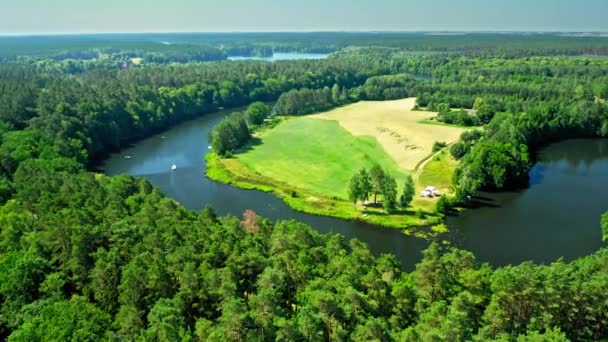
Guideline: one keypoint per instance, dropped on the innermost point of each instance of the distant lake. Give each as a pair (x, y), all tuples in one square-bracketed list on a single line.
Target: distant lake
[(281, 56)]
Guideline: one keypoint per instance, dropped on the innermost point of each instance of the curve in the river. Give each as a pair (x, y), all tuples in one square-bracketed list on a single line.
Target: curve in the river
[(558, 216)]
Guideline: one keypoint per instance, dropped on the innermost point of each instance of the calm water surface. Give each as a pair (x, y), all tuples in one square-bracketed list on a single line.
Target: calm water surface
[(281, 56), (557, 216)]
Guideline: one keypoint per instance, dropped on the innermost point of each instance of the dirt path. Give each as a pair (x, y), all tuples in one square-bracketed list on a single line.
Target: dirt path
[(424, 162)]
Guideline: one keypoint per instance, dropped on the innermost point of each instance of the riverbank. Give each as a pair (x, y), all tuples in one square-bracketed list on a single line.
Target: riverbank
[(413, 221)]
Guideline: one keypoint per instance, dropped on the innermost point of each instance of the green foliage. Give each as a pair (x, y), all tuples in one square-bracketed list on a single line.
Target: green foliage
[(443, 205), (492, 165), (604, 130), (257, 112), (409, 191), (604, 224), (382, 183), (460, 118), (306, 101), (355, 189), (73, 320), (388, 87), (484, 111), (388, 189), (230, 134), (439, 145), (20, 277), (458, 150), (467, 140), (365, 184), (420, 213), (378, 182), (376, 174)]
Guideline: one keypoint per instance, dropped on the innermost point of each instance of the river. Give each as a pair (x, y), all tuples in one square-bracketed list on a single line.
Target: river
[(557, 216)]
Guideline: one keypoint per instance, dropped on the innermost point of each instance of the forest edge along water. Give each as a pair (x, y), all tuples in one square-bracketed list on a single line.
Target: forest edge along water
[(533, 224)]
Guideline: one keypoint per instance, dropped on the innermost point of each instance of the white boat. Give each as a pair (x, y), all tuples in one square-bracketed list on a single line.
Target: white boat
[(127, 157), (173, 167), (209, 147)]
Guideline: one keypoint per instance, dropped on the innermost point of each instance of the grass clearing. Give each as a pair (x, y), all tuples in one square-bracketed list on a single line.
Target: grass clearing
[(438, 173), (315, 155)]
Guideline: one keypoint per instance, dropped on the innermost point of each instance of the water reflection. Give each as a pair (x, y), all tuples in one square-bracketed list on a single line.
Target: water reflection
[(558, 216)]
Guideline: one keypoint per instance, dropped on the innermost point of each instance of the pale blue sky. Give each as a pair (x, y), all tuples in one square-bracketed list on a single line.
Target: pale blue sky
[(85, 16)]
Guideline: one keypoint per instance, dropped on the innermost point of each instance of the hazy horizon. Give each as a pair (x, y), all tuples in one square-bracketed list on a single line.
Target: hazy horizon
[(60, 17), (430, 32)]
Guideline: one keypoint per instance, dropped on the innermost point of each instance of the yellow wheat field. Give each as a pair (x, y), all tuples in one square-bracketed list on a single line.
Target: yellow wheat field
[(396, 127)]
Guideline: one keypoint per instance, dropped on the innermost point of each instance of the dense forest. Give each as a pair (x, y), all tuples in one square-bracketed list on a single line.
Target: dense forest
[(84, 256), (526, 104)]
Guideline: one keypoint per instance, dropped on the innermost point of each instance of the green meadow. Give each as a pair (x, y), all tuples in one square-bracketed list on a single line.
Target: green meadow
[(316, 155)]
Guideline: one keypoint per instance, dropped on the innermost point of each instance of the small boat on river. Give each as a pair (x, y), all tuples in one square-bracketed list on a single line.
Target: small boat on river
[(173, 167)]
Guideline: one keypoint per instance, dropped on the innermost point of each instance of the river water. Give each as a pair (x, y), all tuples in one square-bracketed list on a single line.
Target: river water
[(557, 216)]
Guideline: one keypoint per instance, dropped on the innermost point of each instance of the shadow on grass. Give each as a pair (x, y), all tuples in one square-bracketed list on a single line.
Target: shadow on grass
[(253, 142), (405, 212)]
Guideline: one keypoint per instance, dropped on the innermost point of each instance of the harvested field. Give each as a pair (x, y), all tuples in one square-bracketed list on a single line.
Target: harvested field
[(396, 127)]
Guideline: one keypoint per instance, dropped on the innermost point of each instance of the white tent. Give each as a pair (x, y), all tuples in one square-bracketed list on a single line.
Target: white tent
[(430, 191)]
